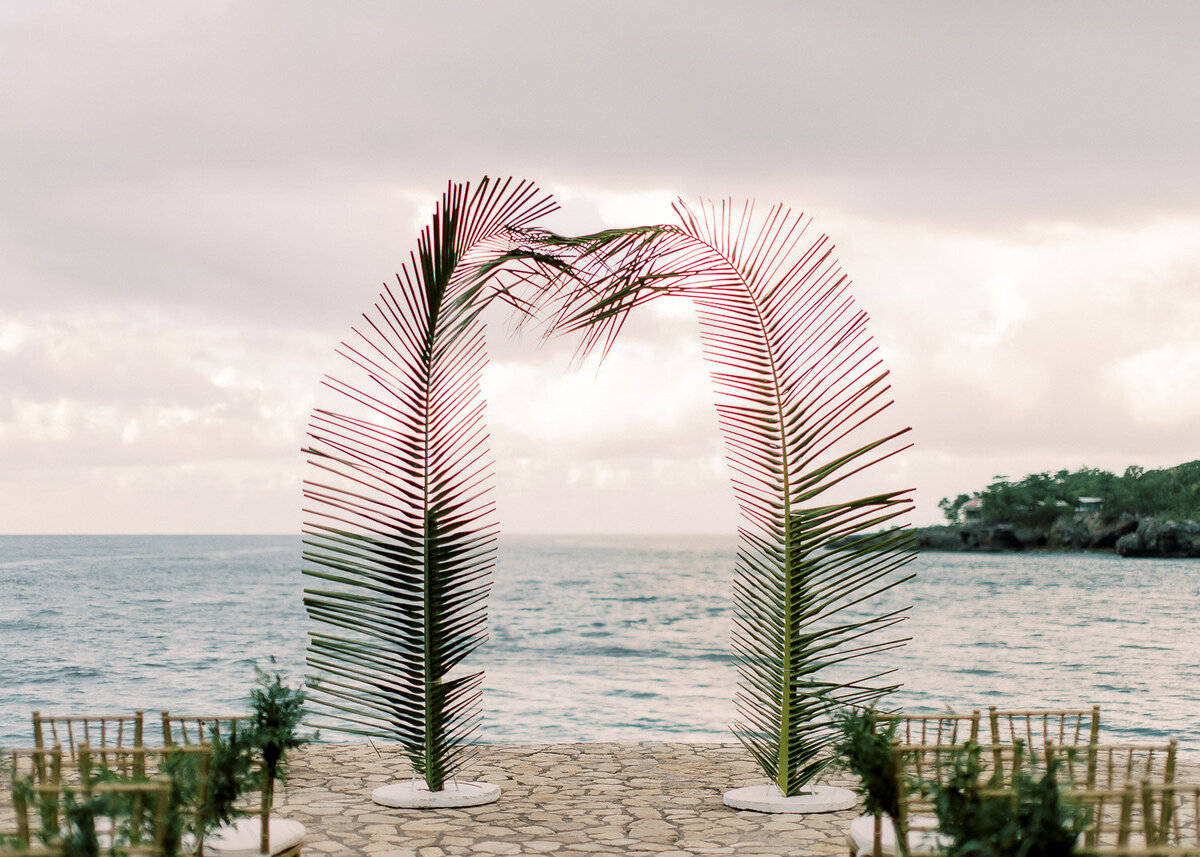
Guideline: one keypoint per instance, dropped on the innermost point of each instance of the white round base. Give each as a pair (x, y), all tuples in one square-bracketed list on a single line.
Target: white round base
[(414, 794), (769, 798)]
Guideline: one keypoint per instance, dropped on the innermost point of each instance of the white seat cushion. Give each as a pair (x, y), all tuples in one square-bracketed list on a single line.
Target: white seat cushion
[(241, 838), (922, 835)]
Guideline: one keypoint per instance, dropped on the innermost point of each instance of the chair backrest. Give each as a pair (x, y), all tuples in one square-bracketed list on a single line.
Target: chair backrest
[(923, 768), (117, 730), (36, 765), (136, 762), (198, 728), (1111, 766), (28, 767), (1171, 817), (128, 816), (1062, 727), (925, 729), (185, 766), (184, 729)]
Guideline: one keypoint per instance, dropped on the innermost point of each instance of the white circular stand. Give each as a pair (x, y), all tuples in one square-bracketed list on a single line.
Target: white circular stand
[(769, 798), (414, 794)]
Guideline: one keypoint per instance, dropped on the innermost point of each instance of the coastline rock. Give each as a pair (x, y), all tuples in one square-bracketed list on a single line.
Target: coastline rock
[(940, 539), (1154, 537), (1088, 532), (1127, 535), (1070, 534), (994, 537), (1106, 535), (979, 537)]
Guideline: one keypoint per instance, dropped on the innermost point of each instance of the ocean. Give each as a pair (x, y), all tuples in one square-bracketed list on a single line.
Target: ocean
[(593, 638)]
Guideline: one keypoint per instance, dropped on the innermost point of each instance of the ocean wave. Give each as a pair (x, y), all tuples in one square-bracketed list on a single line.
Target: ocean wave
[(637, 694)]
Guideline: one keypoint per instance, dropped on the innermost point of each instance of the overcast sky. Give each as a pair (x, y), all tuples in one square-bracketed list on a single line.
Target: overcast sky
[(199, 199)]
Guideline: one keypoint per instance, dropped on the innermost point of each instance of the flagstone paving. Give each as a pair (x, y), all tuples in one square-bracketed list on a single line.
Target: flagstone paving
[(596, 799)]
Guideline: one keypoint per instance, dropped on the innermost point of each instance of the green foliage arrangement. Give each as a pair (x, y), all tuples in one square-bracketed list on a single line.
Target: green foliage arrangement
[(277, 712), (1030, 817), (187, 772), (401, 530), (865, 750), (798, 385), (230, 775), (1040, 498)]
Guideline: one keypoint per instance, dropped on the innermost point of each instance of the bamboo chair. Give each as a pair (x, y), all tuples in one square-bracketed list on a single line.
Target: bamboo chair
[(30, 766), (126, 761), (1171, 818), (931, 768), (108, 731), (114, 827), (1109, 768), (258, 834), (1146, 820), (920, 768), (867, 832), (36, 765), (1109, 828), (1038, 728), (924, 767)]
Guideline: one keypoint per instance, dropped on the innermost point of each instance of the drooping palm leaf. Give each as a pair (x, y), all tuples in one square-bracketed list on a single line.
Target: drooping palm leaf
[(798, 385), (401, 526)]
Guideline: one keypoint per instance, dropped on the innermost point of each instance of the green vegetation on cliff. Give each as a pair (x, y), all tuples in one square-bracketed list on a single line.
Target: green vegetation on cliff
[(1040, 498)]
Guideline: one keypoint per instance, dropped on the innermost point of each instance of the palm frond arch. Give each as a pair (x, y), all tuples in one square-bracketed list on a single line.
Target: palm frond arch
[(401, 531), (798, 383)]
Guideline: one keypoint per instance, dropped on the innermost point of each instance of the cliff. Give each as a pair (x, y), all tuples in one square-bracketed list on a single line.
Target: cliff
[(1127, 535)]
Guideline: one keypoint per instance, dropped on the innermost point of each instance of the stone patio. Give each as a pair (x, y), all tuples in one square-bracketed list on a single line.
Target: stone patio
[(652, 798)]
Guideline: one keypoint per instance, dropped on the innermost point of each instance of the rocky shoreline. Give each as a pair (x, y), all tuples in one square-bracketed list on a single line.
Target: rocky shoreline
[(1127, 536)]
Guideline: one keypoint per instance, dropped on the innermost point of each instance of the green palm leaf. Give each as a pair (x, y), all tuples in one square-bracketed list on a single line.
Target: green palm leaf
[(401, 527), (798, 382)]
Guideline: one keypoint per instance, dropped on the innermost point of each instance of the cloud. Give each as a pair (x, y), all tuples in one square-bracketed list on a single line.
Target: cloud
[(649, 397), (201, 198), (112, 389), (1154, 384)]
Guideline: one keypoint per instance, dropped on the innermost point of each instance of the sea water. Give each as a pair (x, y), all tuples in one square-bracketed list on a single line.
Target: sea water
[(594, 638)]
